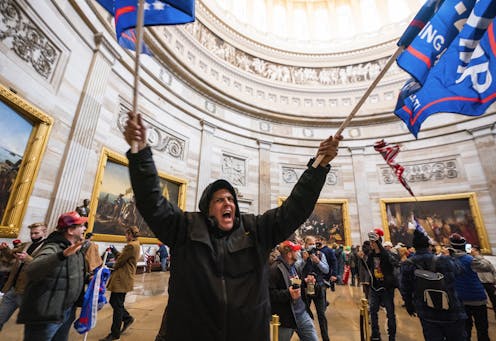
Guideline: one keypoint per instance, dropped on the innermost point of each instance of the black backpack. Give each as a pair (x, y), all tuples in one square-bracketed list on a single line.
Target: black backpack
[(430, 286)]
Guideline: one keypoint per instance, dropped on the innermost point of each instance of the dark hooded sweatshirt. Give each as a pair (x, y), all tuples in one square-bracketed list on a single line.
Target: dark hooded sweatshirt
[(218, 287)]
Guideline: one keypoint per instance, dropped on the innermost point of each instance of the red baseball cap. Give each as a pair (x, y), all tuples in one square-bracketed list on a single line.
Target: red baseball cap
[(69, 219), (291, 245)]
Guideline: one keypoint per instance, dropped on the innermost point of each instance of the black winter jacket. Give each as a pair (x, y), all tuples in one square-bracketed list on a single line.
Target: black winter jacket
[(218, 288)]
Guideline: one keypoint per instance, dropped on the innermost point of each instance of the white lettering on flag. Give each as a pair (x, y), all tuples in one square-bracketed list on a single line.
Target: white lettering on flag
[(433, 38)]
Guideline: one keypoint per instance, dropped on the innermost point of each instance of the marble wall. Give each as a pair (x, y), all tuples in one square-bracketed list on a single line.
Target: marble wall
[(195, 137)]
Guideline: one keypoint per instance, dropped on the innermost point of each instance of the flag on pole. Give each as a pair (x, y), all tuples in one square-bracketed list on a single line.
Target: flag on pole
[(434, 37), (417, 24), (463, 80), (94, 300), (389, 153), (157, 12)]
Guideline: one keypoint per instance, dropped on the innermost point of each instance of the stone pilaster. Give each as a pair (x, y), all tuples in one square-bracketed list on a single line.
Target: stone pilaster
[(365, 218), (485, 141), (205, 164), (79, 146), (264, 179)]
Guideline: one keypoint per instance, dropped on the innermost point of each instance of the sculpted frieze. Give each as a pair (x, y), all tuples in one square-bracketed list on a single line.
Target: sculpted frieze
[(158, 138), (422, 172), (349, 74), (290, 175)]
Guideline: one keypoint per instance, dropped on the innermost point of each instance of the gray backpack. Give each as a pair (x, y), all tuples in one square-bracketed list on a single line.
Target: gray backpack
[(430, 286)]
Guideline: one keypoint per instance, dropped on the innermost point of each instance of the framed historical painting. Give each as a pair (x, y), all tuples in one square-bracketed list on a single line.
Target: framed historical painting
[(328, 219), (113, 207), (24, 131), (439, 215)]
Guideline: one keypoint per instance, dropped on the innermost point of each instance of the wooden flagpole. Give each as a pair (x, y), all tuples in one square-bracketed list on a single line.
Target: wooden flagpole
[(357, 107), (139, 41)]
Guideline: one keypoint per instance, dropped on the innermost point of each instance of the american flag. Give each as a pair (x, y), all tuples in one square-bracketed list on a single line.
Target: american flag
[(389, 153)]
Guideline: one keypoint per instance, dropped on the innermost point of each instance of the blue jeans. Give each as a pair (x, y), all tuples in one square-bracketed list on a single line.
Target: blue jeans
[(386, 298), (51, 331), (304, 328), (443, 331), (163, 264), (10, 302)]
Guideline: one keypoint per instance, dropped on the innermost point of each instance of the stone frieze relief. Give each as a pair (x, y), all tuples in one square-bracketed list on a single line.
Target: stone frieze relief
[(327, 76)]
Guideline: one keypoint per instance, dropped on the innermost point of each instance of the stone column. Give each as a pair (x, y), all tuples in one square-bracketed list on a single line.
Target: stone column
[(205, 162), (79, 145), (264, 176), (365, 219), (485, 141)]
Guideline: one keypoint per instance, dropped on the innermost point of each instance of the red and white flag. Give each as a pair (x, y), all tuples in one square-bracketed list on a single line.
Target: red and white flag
[(389, 153)]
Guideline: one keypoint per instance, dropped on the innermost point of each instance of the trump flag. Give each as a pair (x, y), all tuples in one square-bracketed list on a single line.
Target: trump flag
[(156, 12), (94, 300), (421, 55), (419, 21), (462, 80)]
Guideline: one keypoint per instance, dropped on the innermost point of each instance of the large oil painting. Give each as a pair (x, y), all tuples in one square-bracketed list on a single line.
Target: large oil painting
[(329, 219), (24, 131), (114, 204), (439, 215)]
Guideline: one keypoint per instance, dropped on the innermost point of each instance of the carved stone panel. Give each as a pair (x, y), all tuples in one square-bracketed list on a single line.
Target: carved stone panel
[(234, 169), (21, 34), (290, 175), (158, 138), (422, 172)]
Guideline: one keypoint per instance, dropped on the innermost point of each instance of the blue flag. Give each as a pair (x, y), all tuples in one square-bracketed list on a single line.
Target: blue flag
[(156, 12), (463, 80), (94, 300), (421, 55), (417, 24)]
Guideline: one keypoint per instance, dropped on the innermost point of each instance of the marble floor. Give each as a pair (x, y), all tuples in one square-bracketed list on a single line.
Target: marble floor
[(146, 303)]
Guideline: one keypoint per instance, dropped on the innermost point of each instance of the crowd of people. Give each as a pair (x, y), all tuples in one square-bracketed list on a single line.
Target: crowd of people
[(302, 270), (225, 275)]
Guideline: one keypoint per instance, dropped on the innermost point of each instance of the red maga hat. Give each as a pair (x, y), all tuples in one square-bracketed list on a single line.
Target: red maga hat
[(69, 219), (291, 245)]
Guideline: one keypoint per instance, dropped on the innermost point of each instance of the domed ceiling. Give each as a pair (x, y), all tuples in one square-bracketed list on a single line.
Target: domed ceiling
[(294, 61), (316, 26)]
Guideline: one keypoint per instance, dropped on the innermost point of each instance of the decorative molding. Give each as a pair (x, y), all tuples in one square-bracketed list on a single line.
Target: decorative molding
[(289, 74), (290, 175), (234, 169), (158, 138), (422, 172), (20, 34)]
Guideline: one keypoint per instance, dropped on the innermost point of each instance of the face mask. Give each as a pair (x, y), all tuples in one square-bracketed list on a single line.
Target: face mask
[(310, 248), (36, 240)]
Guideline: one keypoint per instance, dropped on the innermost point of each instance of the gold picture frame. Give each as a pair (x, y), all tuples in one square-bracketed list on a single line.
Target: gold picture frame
[(17, 178), (329, 219), (112, 206), (439, 215)]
